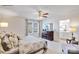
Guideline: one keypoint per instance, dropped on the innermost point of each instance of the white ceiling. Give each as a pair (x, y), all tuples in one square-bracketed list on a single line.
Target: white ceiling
[(55, 11)]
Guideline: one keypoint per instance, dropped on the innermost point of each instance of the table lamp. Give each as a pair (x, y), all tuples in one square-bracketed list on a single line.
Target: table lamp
[(73, 29)]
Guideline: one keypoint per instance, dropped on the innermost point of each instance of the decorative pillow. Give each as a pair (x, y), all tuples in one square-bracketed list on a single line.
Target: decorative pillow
[(1, 48), (15, 40), (6, 44), (9, 41)]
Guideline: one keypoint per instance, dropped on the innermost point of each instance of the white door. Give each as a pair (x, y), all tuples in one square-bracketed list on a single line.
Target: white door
[(33, 28)]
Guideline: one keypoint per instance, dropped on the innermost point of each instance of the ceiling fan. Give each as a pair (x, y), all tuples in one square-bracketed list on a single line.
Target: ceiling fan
[(42, 14)]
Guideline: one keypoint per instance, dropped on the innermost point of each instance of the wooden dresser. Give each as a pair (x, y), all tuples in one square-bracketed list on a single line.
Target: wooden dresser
[(49, 35)]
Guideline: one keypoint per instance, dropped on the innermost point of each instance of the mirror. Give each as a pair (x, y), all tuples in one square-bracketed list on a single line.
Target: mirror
[(48, 27)]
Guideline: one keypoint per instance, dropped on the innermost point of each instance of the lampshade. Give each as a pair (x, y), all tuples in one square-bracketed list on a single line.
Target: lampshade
[(3, 24), (73, 29)]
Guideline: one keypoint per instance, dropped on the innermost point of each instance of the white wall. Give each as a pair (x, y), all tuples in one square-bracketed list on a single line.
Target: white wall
[(15, 25)]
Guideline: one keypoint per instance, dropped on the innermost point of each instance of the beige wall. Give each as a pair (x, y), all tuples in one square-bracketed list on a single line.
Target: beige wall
[(76, 22), (15, 25)]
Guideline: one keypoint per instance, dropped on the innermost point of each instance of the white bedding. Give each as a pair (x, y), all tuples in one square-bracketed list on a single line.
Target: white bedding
[(53, 47)]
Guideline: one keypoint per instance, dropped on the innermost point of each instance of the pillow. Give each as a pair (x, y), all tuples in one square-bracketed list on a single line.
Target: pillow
[(9, 41), (5, 43), (2, 34), (29, 48), (1, 48)]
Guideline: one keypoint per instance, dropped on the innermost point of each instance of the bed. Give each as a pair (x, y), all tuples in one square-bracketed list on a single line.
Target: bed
[(52, 46)]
